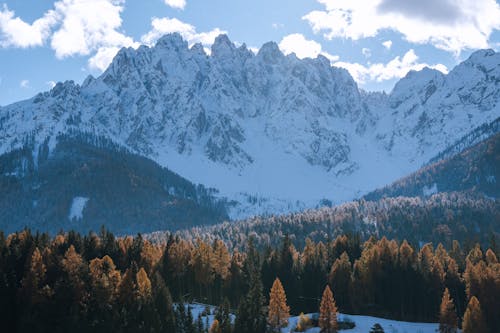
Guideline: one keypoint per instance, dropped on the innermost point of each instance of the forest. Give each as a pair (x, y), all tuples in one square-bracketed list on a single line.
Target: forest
[(440, 218), (102, 283)]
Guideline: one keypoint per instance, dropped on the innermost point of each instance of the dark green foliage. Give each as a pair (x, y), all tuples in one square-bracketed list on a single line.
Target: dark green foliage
[(128, 193)]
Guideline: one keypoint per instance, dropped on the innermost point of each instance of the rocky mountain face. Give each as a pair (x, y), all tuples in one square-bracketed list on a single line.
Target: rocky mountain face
[(273, 132)]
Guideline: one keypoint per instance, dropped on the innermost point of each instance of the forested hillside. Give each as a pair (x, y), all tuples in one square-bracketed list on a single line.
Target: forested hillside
[(87, 181), (441, 218), (476, 169)]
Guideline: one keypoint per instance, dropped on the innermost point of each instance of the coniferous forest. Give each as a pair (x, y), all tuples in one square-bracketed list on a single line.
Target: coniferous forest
[(103, 283)]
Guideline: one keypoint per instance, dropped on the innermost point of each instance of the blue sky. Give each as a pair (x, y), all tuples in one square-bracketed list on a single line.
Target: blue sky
[(378, 41)]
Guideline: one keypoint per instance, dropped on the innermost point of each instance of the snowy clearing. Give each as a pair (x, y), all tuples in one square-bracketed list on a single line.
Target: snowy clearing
[(77, 207)]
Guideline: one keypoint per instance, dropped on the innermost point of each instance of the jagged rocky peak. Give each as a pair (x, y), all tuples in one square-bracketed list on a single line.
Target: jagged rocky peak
[(223, 47), (172, 41), (198, 49), (483, 56), (270, 53), (65, 88), (421, 83)]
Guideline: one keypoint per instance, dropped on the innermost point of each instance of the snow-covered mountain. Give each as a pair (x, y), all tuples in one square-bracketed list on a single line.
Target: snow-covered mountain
[(275, 132)]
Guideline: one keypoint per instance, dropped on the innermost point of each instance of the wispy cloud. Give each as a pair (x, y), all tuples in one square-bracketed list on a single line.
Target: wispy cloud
[(179, 4)]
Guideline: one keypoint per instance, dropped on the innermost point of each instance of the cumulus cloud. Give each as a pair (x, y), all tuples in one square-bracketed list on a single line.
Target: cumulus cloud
[(14, 32), (394, 69), (87, 26), (165, 25), (51, 84), (448, 25), (74, 27), (387, 44), (302, 47), (179, 4)]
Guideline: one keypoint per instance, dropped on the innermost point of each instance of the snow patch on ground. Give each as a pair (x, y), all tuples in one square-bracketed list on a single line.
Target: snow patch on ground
[(77, 207), (365, 323)]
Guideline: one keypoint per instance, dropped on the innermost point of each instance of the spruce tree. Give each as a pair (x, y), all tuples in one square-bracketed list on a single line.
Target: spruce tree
[(448, 320), (251, 316), (473, 318), (328, 312), (279, 312)]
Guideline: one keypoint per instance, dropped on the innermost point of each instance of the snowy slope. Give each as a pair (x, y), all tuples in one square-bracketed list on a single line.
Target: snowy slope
[(272, 131), (365, 323)]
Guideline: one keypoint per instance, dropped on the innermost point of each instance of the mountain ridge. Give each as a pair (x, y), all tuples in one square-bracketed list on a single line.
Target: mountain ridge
[(286, 131)]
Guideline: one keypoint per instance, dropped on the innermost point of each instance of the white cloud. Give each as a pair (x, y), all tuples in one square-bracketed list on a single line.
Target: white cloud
[(278, 25), (366, 52), (14, 32), (103, 57), (87, 26), (51, 84), (394, 69), (74, 27), (302, 47), (179, 4), (165, 25), (387, 44), (25, 84), (448, 25)]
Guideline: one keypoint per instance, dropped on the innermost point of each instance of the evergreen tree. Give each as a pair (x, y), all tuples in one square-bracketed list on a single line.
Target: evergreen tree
[(279, 312), (163, 304), (251, 316), (328, 312), (473, 318), (340, 278), (448, 320)]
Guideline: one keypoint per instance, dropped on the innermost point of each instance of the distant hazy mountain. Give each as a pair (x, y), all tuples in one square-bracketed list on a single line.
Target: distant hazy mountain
[(273, 132), (87, 182)]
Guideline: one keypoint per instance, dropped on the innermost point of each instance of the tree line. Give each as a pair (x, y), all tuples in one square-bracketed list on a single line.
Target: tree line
[(99, 282)]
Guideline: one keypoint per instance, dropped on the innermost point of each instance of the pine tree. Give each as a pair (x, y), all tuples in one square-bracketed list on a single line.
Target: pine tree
[(448, 320), (473, 318), (328, 312), (279, 312), (340, 278)]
